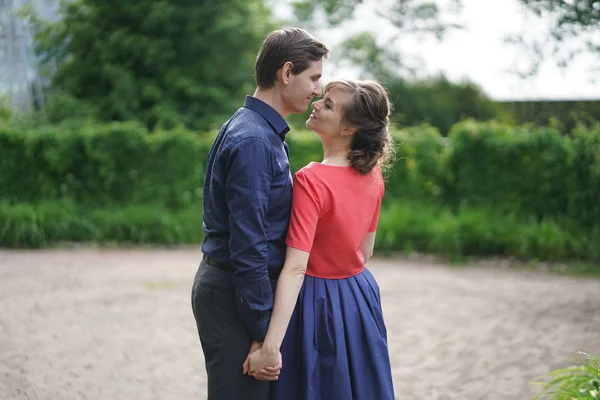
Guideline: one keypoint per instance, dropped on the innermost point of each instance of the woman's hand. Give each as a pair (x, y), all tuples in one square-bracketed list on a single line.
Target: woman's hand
[(264, 363)]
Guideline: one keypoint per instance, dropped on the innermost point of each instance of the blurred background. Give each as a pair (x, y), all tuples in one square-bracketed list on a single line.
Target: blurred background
[(109, 108)]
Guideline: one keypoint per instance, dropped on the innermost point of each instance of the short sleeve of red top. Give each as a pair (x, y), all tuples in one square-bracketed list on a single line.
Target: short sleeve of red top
[(333, 208)]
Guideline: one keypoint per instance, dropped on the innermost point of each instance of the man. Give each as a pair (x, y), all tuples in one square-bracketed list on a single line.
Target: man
[(247, 202)]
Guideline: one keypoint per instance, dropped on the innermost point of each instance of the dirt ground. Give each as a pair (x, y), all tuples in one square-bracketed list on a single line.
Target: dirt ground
[(117, 324)]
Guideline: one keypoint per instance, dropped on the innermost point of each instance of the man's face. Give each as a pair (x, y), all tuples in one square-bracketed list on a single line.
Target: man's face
[(301, 88)]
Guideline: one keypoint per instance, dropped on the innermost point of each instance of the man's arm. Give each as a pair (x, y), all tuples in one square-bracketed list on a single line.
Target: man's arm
[(248, 184)]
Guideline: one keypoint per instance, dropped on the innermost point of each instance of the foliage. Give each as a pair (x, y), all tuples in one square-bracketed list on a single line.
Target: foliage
[(163, 62), (569, 14), (440, 103), (409, 225), (580, 382), (486, 189), (520, 169), (405, 225), (365, 50), (97, 164), (535, 172), (585, 177), (407, 16), (49, 223), (176, 63), (565, 115), (572, 29), (434, 101), (419, 170)]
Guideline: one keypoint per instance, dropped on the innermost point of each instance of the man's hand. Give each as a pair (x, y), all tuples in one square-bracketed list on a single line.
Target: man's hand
[(261, 364)]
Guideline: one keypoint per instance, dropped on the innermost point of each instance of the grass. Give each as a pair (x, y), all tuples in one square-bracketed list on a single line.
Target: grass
[(48, 224), (578, 382), (404, 226), (472, 234)]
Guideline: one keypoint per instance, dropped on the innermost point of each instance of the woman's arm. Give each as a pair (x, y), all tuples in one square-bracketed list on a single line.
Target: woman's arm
[(307, 205), (286, 295), (367, 246)]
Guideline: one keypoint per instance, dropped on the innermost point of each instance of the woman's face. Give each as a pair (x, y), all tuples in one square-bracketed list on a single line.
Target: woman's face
[(327, 117)]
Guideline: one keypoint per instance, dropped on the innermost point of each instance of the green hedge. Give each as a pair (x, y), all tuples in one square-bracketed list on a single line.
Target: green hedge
[(566, 115), (102, 165), (511, 168), (418, 170), (484, 188), (535, 172), (114, 164)]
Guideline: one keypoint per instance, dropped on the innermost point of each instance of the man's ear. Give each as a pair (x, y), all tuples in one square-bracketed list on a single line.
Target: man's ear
[(286, 72)]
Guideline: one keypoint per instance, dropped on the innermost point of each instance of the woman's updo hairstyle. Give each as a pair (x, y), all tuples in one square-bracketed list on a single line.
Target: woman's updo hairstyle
[(368, 111)]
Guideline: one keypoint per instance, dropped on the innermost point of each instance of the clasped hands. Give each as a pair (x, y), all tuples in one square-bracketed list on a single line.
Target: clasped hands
[(262, 363)]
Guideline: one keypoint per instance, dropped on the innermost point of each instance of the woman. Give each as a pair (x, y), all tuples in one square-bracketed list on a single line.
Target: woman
[(336, 342)]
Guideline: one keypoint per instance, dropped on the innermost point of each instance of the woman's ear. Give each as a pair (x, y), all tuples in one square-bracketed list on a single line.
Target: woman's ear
[(347, 131)]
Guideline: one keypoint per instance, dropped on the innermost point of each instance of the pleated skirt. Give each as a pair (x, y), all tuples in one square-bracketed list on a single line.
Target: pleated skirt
[(336, 344)]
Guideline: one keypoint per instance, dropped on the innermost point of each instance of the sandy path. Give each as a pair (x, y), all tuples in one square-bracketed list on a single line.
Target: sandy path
[(117, 324)]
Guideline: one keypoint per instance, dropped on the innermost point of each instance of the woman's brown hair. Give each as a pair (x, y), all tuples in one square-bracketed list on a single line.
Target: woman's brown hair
[(368, 112)]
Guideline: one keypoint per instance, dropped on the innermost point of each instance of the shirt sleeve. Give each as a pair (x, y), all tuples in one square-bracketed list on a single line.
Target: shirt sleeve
[(306, 211), (248, 184)]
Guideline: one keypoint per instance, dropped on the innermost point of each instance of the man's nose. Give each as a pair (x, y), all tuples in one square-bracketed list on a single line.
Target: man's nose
[(317, 91)]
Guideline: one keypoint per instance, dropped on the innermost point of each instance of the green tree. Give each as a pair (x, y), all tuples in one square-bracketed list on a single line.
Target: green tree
[(572, 28), (440, 103), (163, 62), (412, 16), (383, 59), (432, 100), (416, 18)]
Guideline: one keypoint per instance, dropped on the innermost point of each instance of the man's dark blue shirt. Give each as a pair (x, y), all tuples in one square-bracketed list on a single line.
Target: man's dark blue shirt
[(247, 203)]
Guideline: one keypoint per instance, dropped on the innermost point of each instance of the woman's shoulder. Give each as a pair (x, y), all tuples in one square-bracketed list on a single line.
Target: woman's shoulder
[(307, 170), (319, 171), (333, 176), (306, 174), (317, 168), (324, 174)]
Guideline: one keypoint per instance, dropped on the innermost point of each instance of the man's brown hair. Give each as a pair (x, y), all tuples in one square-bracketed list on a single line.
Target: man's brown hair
[(292, 44)]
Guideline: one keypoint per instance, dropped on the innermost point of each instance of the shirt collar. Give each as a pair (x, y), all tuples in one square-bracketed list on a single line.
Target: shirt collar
[(274, 119)]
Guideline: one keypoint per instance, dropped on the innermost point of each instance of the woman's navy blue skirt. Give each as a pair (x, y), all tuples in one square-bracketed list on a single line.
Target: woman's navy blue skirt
[(336, 344)]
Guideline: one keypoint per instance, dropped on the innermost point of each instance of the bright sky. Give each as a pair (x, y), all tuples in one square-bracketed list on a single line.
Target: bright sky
[(478, 53)]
